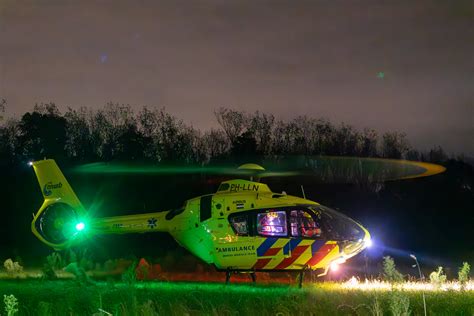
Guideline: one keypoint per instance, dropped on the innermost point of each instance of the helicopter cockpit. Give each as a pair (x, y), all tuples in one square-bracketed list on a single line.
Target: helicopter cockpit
[(336, 225)]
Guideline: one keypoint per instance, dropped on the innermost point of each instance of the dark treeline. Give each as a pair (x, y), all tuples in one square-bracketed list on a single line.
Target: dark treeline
[(117, 133)]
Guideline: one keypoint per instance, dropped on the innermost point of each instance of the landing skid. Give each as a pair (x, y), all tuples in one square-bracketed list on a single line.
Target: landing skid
[(229, 272), (299, 279)]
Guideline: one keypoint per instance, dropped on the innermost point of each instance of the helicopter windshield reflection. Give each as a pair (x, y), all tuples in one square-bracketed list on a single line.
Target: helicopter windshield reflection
[(337, 226)]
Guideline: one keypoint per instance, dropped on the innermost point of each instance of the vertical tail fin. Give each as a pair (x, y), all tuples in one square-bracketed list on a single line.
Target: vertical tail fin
[(53, 184), (60, 219)]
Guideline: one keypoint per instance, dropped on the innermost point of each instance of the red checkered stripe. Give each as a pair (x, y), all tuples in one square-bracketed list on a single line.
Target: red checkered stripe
[(270, 247)]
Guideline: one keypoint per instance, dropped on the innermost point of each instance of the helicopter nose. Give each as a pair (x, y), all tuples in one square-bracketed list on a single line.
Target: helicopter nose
[(352, 248), (351, 235), (367, 240)]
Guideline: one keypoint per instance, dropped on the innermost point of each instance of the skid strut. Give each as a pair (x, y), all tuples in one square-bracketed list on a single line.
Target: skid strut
[(228, 274), (254, 277)]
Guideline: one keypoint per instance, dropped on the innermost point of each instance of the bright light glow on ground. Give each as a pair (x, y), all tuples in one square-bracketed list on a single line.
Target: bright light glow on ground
[(334, 266), (375, 285)]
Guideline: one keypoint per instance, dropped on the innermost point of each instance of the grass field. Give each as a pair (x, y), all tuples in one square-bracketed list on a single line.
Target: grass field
[(37, 297)]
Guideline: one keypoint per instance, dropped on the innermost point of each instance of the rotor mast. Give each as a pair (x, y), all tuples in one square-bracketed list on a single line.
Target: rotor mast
[(253, 169)]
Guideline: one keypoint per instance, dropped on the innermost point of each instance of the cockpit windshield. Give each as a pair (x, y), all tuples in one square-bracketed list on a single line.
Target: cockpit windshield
[(337, 226)]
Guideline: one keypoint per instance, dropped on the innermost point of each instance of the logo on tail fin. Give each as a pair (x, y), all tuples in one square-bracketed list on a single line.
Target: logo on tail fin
[(48, 187)]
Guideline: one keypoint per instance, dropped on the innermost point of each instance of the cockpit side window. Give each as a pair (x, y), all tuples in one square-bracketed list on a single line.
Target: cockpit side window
[(272, 223), (240, 224), (302, 224)]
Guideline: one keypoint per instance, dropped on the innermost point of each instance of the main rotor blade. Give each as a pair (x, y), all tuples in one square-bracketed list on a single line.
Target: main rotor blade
[(322, 169), (335, 169), (120, 168)]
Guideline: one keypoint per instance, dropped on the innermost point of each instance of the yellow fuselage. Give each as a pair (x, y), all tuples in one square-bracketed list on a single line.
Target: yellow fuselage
[(204, 227)]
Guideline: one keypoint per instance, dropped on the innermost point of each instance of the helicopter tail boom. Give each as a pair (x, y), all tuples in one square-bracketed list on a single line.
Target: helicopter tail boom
[(137, 223), (62, 219)]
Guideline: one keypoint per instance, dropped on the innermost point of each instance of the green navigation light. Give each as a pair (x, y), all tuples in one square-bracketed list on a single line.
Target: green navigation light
[(80, 226)]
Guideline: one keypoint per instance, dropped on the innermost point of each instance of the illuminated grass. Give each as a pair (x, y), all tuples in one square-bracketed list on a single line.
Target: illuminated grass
[(70, 298), (376, 285)]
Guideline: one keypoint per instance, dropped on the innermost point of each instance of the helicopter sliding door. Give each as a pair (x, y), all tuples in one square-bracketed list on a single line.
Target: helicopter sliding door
[(235, 249), (271, 230), (256, 240)]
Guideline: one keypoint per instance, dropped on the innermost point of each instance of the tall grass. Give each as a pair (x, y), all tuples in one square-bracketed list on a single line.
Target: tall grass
[(155, 298)]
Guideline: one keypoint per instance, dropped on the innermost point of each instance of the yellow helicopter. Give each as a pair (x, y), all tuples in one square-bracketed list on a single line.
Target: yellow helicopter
[(243, 227)]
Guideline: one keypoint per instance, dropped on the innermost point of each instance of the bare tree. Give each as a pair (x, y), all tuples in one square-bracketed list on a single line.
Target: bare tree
[(346, 141), (115, 134), (286, 135), (304, 135), (174, 140), (9, 141), (369, 143), (42, 133), (437, 155), (261, 127), (3, 103), (323, 131), (215, 144), (413, 154), (233, 122), (78, 134), (394, 145)]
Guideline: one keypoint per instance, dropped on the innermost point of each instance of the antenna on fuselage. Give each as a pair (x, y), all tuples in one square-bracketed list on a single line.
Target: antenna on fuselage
[(302, 191)]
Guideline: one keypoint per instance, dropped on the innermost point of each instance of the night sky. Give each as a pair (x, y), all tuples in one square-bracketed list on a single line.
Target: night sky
[(401, 65)]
